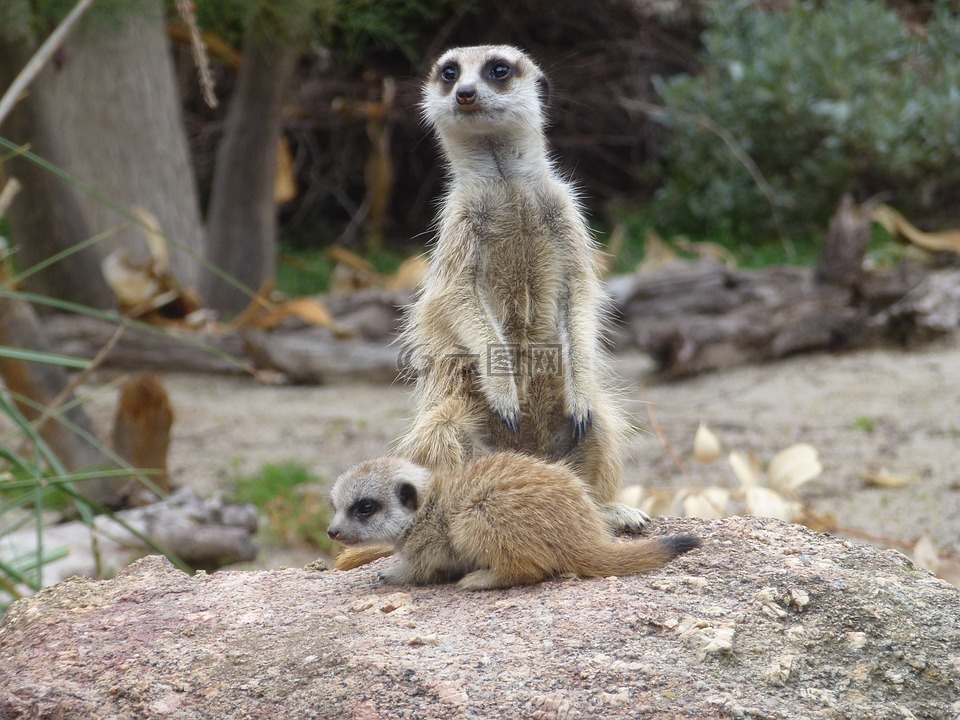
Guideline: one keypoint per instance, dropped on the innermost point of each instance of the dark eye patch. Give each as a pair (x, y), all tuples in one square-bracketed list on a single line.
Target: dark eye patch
[(450, 72), (364, 508), (499, 70)]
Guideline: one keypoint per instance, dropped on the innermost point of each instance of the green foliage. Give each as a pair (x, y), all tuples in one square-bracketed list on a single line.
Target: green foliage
[(826, 98), (351, 27), (780, 251), (297, 509), (303, 272), (865, 423), (307, 272)]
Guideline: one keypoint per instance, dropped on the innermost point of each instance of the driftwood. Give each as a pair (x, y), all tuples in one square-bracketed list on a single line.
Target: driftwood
[(690, 317), (82, 336), (203, 533), (302, 354), (696, 317)]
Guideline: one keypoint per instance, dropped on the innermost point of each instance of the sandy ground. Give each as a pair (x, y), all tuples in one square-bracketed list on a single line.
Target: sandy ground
[(862, 411)]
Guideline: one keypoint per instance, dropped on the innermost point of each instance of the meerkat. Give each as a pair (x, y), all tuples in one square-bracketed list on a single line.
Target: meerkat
[(505, 336), (500, 520)]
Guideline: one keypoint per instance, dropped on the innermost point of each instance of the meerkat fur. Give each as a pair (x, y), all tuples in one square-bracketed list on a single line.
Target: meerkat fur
[(505, 336), (501, 520)]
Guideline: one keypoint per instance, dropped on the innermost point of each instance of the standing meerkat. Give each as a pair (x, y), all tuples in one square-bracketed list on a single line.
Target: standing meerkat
[(505, 336), (501, 520)]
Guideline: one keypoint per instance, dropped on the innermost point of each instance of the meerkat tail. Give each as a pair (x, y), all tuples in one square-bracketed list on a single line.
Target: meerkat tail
[(352, 558), (636, 557)]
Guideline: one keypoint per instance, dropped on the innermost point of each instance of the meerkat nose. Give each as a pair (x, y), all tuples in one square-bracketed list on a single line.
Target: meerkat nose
[(334, 534), (466, 95)]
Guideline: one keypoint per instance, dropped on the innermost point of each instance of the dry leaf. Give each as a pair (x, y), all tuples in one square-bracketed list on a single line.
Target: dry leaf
[(765, 502), (131, 284), (306, 309), (156, 242), (656, 255), (632, 495), (707, 504), (652, 502), (409, 275), (706, 445), (793, 466), (285, 182), (882, 478), (745, 467), (927, 556)]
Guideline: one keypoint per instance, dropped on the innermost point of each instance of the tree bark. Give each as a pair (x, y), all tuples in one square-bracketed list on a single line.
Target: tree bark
[(41, 383), (46, 217), (241, 221), (107, 112)]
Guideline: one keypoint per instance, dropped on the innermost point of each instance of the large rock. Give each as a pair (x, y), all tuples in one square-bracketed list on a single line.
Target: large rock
[(766, 621)]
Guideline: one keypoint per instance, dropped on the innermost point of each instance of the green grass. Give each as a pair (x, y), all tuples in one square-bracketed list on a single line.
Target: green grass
[(297, 512), (865, 423), (307, 272), (303, 272)]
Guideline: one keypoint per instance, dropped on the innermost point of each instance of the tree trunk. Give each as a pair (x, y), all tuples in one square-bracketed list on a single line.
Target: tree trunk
[(241, 221), (46, 217), (41, 383), (106, 111)]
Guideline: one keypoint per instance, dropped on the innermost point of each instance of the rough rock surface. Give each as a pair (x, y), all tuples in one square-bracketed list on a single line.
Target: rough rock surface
[(766, 621)]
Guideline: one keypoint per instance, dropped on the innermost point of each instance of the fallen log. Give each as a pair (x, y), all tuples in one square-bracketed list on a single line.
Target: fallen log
[(203, 532), (690, 317), (706, 316), (145, 349)]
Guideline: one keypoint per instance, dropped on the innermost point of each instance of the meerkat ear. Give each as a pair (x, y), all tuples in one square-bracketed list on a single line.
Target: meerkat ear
[(543, 90), (407, 495)]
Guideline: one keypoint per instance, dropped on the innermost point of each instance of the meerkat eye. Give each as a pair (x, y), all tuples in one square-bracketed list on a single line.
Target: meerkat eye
[(449, 73), (500, 71), (362, 509)]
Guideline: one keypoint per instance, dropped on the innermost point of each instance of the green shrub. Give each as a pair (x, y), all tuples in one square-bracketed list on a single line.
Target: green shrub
[(826, 98), (294, 502)]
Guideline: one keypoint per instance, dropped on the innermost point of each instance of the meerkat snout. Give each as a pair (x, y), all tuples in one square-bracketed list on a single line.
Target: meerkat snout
[(467, 95)]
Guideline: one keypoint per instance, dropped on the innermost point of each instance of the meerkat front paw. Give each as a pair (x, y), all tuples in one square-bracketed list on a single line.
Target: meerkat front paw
[(581, 417), (623, 518), (581, 424), (502, 395)]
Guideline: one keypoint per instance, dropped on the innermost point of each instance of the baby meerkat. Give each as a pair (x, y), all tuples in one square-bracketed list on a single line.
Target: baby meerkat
[(501, 520), (505, 337)]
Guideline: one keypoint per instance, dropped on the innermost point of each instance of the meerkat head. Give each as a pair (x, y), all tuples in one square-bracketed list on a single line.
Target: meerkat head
[(484, 90), (375, 500)]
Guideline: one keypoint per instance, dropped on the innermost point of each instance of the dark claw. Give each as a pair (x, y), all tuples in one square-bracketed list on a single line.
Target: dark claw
[(582, 426), (512, 421)]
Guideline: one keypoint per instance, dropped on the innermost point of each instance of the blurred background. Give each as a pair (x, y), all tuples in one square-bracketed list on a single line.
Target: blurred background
[(236, 195), (739, 123)]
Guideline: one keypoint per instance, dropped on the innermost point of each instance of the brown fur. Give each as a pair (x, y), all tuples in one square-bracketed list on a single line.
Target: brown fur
[(499, 521), (514, 265)]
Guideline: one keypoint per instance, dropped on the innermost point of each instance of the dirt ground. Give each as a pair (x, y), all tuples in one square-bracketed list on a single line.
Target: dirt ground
[(863, 411)]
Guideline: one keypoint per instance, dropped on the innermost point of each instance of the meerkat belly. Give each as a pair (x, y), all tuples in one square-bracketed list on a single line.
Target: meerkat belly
[(523, 270)]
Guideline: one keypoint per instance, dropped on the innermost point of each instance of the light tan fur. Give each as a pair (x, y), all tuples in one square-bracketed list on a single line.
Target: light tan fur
[(501, 520), (504, 338), (352, 558)]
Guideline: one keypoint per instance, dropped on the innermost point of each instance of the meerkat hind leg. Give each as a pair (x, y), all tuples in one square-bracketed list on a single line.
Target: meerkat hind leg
[(488, 579)]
